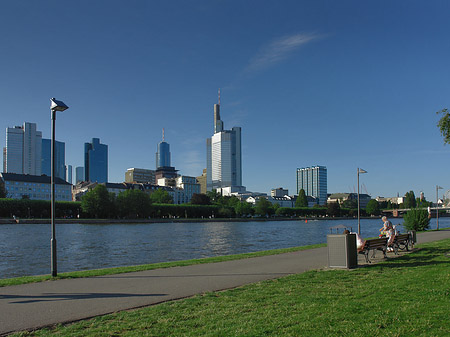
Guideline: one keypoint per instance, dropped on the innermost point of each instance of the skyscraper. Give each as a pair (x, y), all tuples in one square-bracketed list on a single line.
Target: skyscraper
[(60, 158), (313, 180), (79, 174), (162, 154), (69, 172), (96, 161), (223, 155), (23, 150)]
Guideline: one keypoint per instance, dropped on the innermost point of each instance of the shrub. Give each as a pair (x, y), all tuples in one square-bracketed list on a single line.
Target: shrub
[(416, 219)]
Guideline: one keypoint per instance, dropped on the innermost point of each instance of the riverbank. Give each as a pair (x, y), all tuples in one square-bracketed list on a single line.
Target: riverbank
[(166, 220), (319, 302)]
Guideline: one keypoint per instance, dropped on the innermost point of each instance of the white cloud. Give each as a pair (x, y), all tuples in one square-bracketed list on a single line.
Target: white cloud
[(279, 50)]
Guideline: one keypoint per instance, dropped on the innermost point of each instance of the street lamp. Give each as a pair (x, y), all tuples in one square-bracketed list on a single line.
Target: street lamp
[(55, 106), (359, 223), (437, 206)]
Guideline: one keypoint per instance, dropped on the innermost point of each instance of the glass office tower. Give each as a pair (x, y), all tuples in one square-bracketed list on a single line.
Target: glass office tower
[(96, 161), (60, 158), (313, 180), (162, 155)]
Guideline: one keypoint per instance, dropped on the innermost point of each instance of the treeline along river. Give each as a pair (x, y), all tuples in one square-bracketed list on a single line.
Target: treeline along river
[(25, 248)]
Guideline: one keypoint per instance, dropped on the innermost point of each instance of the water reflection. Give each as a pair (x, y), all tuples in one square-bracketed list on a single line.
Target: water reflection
[(25, 249)]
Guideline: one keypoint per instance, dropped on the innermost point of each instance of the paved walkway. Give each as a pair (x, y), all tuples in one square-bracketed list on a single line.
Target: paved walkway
[(35, 305)]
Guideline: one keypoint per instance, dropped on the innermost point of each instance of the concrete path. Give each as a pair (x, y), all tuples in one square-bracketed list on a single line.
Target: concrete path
[(31, 306)]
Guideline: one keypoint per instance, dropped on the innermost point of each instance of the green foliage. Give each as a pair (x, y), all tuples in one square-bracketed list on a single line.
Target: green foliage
[(2, 189), (422, 203), (38, 209), (134, 204), (302, 200), (213, 195), (183, 211), (161, 196), (333, 209), (350, 203), (301, 211), (200, 199), (373, 207), (98, 203), (410, 200), (416, 219), (243, 208), (263, 207), (444, 125)]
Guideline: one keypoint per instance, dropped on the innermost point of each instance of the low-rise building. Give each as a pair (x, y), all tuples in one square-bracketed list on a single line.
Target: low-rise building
[(341, 197), (20, 186), (137, 175), (279, 192)]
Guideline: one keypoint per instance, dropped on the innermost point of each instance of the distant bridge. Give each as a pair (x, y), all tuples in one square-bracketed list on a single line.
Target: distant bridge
[(398, 212)]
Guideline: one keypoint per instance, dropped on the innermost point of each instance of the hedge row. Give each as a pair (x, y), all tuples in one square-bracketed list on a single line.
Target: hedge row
[(25, 208)]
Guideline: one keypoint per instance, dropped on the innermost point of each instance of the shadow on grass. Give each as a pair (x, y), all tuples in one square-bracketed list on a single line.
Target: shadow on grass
[(424, 256)]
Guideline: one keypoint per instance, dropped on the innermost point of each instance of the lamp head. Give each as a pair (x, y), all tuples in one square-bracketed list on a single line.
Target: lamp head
[(57, 105)]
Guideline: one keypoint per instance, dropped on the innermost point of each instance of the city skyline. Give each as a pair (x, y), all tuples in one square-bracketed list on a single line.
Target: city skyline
[(346, 85)]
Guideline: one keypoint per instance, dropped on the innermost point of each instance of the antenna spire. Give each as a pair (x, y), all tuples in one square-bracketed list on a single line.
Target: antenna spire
[(219, 96), (163, 134)]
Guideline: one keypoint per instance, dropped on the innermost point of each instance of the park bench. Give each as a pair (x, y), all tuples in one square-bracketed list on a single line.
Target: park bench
[(402, 242), (374, 245)]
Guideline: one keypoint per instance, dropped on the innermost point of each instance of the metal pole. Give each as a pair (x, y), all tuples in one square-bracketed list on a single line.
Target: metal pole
[(359, 224), (437, 208), (53, 240)]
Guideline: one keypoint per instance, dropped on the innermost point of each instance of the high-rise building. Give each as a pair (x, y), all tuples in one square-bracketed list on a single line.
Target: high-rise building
[(23, 151), (137, 175), (162, 154), (96, 161), (60, 158), (223, 155), (69, 174), (79, 174), (313, 180)]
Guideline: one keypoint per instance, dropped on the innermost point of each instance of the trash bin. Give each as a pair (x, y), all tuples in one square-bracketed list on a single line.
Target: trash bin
[(342, 252)]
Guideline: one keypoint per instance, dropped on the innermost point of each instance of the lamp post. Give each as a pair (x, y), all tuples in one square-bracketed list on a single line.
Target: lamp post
[(359, 222), (437, 206), (55, 106)]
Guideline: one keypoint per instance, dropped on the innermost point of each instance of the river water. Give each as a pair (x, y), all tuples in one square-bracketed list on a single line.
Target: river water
[(25, 248)]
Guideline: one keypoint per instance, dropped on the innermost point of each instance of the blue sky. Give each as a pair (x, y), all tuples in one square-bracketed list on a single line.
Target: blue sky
[(343, 84)]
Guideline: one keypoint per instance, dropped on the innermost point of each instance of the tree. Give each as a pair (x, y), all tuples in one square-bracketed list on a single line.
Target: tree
[(3, 192), (99, 203), (302, 200), (213, 195), (350, 204), (373, 207), (410, 200), (243, 208), (416, 219), (161, 196), (333, 209), (263, 207), (134, 204), (444, 125), (200, 199)]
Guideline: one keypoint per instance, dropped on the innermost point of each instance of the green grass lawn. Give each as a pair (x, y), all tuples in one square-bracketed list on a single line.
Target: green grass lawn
[(406, 296)]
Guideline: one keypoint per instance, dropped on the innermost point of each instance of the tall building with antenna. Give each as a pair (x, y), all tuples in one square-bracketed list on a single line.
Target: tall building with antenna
[(163, 168), (162, 153), (223, 156)]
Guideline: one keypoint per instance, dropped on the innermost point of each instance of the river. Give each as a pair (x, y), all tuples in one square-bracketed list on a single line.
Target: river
[(25, 248)]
